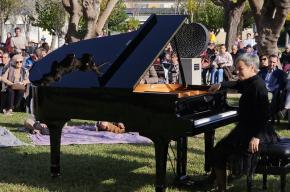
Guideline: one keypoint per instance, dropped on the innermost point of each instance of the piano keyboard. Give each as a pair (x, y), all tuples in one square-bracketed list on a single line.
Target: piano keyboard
[(214, 118)]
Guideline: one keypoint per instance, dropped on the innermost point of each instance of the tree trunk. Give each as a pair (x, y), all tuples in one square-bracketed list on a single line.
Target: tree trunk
[(104, 17), (75, 12), (2, 27), (270, 19), (53, 44), (233, 19), (91, 11)]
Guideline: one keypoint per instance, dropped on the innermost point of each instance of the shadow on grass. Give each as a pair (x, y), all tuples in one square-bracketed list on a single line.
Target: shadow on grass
[(81, 172), (12, 125)]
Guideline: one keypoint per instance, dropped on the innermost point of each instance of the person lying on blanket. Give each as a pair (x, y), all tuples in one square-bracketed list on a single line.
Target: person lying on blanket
[(36, 127), (110, 126)]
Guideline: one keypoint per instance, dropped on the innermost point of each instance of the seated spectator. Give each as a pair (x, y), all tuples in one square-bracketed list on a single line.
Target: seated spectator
[(223, 60), (207, 57), (38, 54), (15, 80), (234, 53), (263, 62), (174, 70), (285, 59), (275, 80), (249, 49), (3, 67), (150, 76)]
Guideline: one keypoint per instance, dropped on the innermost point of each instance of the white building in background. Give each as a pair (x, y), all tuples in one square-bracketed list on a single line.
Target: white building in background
[(142, 9), (32, 33)]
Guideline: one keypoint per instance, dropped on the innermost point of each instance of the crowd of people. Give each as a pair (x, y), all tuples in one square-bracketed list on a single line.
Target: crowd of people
[(16, 58)]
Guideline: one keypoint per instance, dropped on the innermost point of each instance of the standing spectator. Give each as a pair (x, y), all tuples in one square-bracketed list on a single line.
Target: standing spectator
[(19, 41), (223, 60), (8, 47), (249, 40), (212, 37), (285, 59), (15, 80), (237, 40)]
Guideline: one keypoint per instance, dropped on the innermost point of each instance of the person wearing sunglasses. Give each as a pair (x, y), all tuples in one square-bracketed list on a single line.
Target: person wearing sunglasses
[(263, 62), (14, 81)]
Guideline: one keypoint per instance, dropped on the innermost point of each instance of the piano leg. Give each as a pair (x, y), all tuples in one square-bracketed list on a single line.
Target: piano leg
[(181, 158), (208, 147), (161, 150), (55, 129)]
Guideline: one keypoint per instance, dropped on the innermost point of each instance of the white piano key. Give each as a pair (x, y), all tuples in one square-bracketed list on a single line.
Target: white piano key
[(215, 118)]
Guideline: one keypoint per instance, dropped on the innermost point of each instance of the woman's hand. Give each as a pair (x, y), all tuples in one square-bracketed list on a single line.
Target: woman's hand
[(254, 145), (214, 88)]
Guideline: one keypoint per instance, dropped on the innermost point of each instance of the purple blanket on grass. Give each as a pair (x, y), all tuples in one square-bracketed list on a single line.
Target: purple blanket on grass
[(88, 135)]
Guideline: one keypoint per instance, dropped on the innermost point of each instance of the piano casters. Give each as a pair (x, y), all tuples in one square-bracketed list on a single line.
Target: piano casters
[(55, 129), (161, 150)]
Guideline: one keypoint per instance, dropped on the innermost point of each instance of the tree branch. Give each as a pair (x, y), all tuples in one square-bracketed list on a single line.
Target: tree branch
[(219, 2), (105, 15), (91, 11), (75, 12)]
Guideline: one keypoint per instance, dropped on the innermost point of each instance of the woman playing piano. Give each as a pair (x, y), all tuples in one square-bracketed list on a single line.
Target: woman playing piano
[(252, 131)]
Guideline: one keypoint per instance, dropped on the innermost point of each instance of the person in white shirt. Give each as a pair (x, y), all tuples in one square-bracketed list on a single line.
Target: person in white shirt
[(19, 41), (249, 40), (223, 59)]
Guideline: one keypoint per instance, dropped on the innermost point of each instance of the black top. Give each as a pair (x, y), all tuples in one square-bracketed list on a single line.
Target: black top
[(253, 111)]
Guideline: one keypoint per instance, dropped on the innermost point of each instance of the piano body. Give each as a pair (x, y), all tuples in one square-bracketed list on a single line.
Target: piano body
[(98, 79)]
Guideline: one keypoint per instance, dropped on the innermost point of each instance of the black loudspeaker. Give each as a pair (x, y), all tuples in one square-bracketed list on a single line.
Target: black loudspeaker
[(191, 40)]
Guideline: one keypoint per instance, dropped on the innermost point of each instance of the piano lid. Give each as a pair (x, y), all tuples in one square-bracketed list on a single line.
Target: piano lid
[(117, 61)]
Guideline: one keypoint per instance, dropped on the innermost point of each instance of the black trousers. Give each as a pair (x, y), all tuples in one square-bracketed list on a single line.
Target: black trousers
[(14, 98), (3, 104)]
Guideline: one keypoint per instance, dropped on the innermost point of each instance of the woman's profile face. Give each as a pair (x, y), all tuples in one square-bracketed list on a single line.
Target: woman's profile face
[(244, 71)]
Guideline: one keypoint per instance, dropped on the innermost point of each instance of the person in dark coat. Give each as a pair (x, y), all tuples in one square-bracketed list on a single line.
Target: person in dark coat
[(253, 129)]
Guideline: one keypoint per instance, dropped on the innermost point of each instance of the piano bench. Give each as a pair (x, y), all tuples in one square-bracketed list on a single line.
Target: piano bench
[(273, 160)]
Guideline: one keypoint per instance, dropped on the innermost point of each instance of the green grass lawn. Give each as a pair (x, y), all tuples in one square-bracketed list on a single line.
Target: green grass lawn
[(101, 168)]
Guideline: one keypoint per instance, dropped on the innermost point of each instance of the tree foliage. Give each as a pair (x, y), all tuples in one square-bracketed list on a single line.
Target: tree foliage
[(50, 16), (90, 12), (205, 12), (7, 8), (270, 17), (118, 17)]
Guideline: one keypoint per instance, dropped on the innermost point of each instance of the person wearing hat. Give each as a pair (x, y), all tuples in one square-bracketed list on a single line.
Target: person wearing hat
[(14, 81)]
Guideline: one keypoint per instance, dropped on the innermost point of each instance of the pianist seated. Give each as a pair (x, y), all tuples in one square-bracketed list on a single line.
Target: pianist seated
[(242, 144), (150, 77)]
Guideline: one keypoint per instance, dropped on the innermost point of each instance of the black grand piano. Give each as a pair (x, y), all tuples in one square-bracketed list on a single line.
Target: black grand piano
[(96, 79)]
